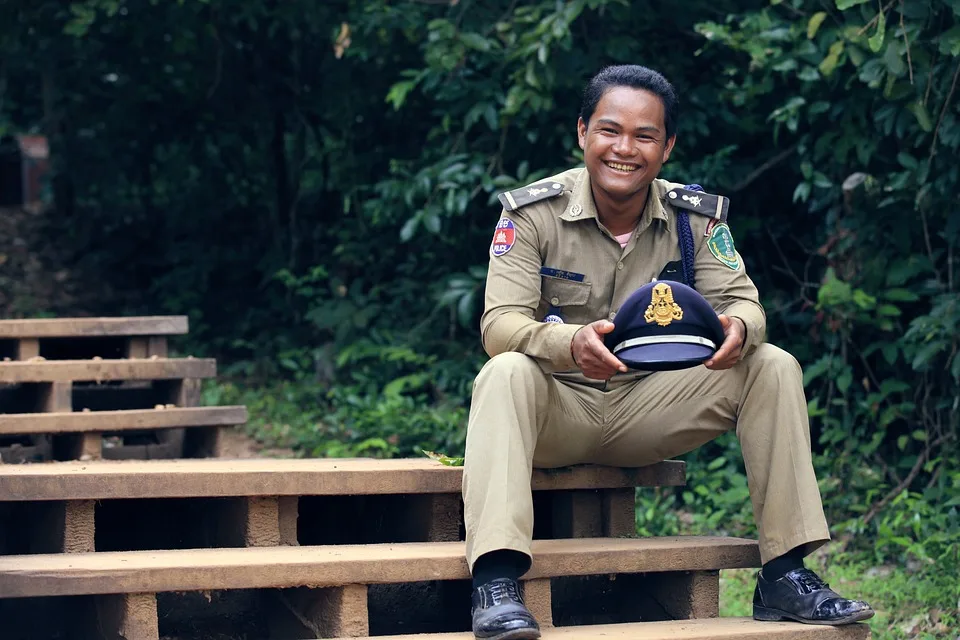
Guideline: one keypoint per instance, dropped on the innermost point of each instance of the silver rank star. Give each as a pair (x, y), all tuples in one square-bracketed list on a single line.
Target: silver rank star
[(536, 192), (694, 200)]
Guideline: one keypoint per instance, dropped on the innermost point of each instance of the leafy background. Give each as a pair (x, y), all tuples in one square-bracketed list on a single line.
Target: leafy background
[(314, 184)]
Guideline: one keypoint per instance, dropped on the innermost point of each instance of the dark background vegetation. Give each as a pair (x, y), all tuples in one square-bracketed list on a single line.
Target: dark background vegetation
[(314, 184)]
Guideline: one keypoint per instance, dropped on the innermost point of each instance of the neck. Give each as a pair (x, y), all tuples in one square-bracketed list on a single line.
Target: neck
[(620, 216)]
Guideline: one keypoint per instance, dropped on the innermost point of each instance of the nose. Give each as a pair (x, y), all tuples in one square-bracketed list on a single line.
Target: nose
[(623, 146)]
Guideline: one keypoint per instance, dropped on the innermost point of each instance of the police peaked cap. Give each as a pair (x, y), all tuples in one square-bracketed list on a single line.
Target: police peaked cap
[(663, 326)]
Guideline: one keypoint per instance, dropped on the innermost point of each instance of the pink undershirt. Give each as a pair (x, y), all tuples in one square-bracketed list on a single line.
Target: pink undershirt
[(623, 239)]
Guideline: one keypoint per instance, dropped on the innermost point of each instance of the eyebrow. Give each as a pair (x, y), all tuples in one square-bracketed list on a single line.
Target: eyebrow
[(617, 124)]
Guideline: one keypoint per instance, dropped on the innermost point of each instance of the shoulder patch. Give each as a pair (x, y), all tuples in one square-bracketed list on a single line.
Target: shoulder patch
[(721, 246), (504, 236), (513, 200), (706, 204)]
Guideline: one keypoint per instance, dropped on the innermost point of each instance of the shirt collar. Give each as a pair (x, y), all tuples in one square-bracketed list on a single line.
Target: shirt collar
[(582, 207)]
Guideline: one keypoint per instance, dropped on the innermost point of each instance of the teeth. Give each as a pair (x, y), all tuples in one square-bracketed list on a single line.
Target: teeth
[(621, 167)]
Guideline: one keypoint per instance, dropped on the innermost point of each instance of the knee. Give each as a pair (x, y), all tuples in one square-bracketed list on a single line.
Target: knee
[(508, 366), (771, 359)]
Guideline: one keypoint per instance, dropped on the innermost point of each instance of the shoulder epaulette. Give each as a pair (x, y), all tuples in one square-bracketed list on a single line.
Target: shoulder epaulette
[(513, 200), (706, 204)]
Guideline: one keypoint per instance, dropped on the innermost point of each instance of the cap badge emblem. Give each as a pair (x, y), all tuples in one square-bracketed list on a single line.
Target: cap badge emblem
[(662, 310)]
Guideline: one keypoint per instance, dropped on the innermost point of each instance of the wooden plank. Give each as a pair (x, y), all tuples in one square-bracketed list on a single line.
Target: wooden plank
[(78, 327), (336, 565), (266, 477), (106, 370), (717, 629), (106, 421)]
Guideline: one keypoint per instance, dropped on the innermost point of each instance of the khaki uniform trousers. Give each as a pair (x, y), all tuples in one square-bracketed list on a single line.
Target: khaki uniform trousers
[(523, 418)]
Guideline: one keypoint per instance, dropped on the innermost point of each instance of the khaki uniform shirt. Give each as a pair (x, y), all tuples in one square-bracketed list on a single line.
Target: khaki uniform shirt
[(564, 234)]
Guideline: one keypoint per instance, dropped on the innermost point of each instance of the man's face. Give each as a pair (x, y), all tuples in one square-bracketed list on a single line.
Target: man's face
[(626, 142)]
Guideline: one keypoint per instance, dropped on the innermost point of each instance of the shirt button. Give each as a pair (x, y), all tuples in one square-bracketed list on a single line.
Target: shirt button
[(613, 314), (554, 300), (619, 266)]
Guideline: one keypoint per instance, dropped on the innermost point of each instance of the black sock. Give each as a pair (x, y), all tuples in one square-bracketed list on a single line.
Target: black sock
[(503, 563), (780, 566)]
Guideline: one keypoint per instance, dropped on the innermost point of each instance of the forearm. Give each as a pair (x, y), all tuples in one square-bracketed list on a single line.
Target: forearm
[(547, 342), (754, 320)]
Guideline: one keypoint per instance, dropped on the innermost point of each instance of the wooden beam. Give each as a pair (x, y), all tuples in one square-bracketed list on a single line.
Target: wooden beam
[(299, 477), (336, 565), (80, 327), (106, 370), (105, 421)]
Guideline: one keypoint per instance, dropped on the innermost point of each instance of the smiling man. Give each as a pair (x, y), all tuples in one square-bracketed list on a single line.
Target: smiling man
[(567, 253)]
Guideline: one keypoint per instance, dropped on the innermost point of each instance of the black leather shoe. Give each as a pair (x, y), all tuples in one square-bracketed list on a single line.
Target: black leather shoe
[(802, 596), (499, 613)]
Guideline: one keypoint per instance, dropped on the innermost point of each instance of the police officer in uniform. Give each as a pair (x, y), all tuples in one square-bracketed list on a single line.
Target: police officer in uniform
[(566, 254)]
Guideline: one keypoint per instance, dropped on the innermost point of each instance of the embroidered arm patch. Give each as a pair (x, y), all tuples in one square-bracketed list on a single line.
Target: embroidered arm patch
[(504, 237), (721, 246)]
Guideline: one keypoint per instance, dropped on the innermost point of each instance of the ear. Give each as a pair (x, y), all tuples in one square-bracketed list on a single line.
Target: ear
[(581, 132), (672, 140)]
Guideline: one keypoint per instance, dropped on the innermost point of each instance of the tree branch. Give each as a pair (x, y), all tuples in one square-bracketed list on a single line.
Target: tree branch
[(943, 112), (766, 166), (914, 472)]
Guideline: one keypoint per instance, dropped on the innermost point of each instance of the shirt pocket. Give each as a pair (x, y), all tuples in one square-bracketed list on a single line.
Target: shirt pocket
[(559, 293)]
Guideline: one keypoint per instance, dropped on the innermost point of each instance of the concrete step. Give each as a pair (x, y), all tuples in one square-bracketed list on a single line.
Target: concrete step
[(90, 327), (106, 370), (709, 629), (176, 504), (113, 421), (334, 565)]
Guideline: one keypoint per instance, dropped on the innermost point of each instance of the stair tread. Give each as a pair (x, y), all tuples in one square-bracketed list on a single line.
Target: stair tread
[(106, 370), (130, 419), (272, 477), (332, 565), (704, 629), (94, 327)]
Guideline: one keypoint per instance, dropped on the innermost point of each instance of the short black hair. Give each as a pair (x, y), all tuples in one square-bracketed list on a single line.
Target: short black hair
[(635, 77)]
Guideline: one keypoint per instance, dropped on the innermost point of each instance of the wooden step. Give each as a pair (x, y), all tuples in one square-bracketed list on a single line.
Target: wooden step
[(107, 370), (89, 327), (266, 477), (175, 504), (710, 629), (111, 421), (335, 565)]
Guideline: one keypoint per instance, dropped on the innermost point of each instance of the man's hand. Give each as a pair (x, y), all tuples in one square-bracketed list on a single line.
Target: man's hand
[(728, 354), (591, 355)]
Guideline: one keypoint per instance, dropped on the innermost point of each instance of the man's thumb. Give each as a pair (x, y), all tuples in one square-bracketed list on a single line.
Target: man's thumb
[(603, 326)]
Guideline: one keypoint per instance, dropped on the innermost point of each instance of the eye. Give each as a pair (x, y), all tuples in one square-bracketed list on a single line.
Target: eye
[(608, 130)]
